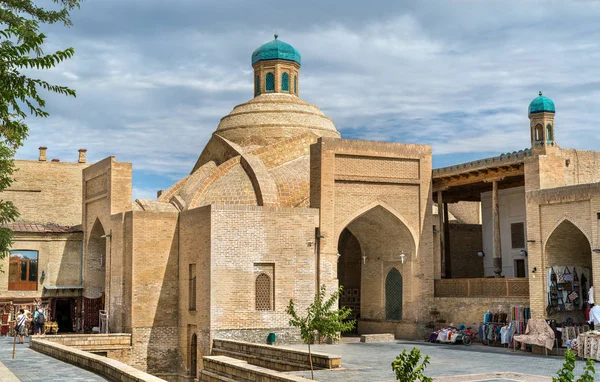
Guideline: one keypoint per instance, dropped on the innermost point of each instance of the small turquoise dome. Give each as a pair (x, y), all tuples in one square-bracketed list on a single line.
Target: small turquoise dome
[(541, 104), (276, 50)]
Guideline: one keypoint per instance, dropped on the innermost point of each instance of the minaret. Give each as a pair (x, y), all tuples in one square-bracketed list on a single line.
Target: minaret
[(541, 123), (276, 65)]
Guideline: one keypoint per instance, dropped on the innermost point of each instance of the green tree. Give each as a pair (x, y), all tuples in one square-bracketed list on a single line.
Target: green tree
[(407, 368), (21, 52), (320, 320), (566, 373)]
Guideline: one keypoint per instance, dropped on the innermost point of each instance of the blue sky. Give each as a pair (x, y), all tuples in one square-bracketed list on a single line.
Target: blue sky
[(154, 77)]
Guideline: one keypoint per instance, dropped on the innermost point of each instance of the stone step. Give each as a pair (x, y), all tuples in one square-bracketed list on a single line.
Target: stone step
[(383, 337), (232, 369)]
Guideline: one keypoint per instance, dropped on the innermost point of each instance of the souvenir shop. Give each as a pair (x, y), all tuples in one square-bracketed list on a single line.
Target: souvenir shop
[(568, 289), (496, 328), (61, 313)]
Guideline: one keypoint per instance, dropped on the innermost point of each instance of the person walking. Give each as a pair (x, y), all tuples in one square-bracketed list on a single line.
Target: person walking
[(21, 326), (39, 318)]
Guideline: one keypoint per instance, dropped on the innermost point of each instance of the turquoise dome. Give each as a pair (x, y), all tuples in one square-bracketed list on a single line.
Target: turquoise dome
[(541, 104), (276, 50)]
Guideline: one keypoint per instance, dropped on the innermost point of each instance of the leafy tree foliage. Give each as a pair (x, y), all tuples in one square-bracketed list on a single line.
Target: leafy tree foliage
[(321, 320), (566, 373), (21, 53), (407, 368)]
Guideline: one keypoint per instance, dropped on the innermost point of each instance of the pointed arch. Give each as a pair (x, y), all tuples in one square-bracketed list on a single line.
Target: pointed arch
[(571, 220), (263, 292), (539, 132), (549, 132), (357, 214), (194, 355), (393, 295), (285, 82), (270, 82), (257, 86)]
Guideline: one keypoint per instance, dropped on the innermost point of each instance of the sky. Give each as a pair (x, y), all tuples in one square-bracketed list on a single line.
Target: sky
[(154, 77)]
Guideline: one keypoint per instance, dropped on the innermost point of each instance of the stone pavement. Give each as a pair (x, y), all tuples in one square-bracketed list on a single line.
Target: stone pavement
[(372, 362), (30, 365)]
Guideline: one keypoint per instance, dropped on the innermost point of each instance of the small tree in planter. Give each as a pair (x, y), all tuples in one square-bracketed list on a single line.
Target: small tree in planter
[(407, 368), (320, 320)]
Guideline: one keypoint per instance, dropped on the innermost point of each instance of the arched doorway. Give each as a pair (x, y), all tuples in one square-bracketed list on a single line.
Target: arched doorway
[(194, 355), (568, 248), (369, 246), (393, 295)]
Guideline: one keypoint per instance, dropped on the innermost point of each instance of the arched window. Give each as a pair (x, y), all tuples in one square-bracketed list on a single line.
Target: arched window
[(393, 295), (539, 133), (257, 86), (263, 292), (549, 133), (270, 82), (285, 82), (295, 84), (193, 355)]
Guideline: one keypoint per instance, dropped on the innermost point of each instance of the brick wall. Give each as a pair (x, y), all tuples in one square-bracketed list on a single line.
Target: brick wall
[(47, 192), (59, 258), (155, 286), (465, 241), (245, 236)]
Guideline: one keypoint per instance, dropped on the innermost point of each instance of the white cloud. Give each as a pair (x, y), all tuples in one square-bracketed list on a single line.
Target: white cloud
[(458, 75)]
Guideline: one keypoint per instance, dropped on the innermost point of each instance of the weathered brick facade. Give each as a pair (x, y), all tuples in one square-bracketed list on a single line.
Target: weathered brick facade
[(48, 197)]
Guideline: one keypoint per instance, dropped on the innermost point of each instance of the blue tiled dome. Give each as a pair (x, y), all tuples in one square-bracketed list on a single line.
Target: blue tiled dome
[(276, 50), (541, 104)]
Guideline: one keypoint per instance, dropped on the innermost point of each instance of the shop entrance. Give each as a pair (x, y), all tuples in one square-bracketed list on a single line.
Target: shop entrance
[(63, 315), (569, 274)]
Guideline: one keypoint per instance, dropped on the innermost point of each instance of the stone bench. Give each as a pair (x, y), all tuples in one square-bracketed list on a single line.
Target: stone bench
[(108, 368), (226, 369), (274, 357), (384, 337)]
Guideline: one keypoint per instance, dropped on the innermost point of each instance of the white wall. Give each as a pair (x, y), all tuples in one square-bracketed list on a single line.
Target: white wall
[(512, 210)]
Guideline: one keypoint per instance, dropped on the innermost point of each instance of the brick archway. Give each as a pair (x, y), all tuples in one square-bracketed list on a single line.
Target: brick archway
[(369, 246)]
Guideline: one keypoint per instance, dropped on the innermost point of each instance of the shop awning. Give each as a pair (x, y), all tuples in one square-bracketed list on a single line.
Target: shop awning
[(60, 287)]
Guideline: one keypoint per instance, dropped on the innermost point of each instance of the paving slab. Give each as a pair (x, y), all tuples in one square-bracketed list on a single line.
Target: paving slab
[(372, 362), (31, 366)]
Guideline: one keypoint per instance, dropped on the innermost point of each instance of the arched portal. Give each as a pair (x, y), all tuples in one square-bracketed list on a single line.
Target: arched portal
[(95, 275), (369, 246), (96, 261), (569, 247), (194, 355)]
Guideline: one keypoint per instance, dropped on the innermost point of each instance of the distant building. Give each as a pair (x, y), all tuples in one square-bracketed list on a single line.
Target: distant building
[(45, 261)]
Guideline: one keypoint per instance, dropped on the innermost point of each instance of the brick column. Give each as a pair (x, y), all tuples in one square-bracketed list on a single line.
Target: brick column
[(497, 251)]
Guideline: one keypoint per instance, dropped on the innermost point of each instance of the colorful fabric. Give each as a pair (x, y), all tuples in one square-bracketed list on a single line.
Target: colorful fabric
[(539, 333)]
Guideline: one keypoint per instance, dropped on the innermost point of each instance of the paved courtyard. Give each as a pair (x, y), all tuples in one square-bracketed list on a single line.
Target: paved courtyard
[(372, 362), (30, 365)]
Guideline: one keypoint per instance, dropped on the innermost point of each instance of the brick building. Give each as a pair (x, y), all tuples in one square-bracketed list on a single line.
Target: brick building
[(278, 204), (45, 261)]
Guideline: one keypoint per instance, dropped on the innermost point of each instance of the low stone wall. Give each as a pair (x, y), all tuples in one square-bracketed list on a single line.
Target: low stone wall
[(110, 369), (222, 368), (400, 329), (259, 336), (274, 357), (114, 346)]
